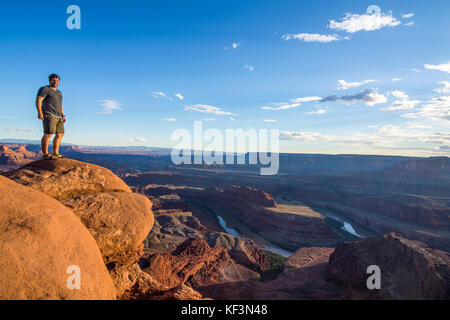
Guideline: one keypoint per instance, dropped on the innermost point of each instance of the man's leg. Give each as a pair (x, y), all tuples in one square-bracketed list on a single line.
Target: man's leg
[(57, 142), (45, 142)]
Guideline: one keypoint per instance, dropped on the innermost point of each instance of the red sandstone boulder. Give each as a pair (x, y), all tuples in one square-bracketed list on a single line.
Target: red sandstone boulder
[(67, 178), (119, 221), (39, 239)]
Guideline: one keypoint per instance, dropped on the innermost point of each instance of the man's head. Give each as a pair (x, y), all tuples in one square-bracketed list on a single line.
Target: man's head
[(53, 79)]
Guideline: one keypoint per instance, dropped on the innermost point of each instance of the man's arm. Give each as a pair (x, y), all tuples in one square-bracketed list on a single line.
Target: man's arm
[(63, 116), (39, 107)]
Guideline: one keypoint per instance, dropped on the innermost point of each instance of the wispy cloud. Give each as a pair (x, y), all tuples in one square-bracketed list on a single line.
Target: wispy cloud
[(293, 103), (281, 106), (206, 109), (179, 96), (313, 37), (364, 22), (159, 94), (318, 110), (169, 119), (416, 70), (445, 67), (109, 106), (397, 79), (136, 140), (344, 85), (370, 97), (11, 130), (269, 120), (437, 109), (249, 67), (407, 15)]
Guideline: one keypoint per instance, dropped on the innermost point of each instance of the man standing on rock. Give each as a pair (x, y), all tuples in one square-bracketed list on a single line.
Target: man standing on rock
[(49, 107)]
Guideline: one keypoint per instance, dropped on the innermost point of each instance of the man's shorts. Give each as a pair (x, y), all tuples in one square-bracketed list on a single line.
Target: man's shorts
[(52, 124)]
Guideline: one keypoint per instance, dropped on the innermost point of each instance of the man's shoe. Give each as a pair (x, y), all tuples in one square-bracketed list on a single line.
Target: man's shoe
[(46, 156), (56, 156)]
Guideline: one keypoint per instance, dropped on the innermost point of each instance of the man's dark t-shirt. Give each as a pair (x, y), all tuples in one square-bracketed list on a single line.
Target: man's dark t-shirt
[(52, 103)]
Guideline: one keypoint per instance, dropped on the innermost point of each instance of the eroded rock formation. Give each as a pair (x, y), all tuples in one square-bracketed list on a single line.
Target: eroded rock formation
[(196, 263)]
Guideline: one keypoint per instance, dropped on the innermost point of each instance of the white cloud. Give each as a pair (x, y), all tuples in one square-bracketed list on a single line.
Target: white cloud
[(368, 22), (234, 46), (407, 15), (305, 99), (445, 67), (169, 119), (249, 67), (159, 94), (232, 119), (399, 94), (109, 106), (206, 109), (269, 120), (445, 89), (318, 111), (416, 70), (437, 109), (281, 106), (209, 119), (293, 103), (403, 102), (397, 79), (312, 37), (138, 139), (179, 96), (409, 24), (344, 85)]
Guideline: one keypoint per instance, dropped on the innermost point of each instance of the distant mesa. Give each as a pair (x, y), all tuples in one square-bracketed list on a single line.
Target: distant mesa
[(16, 155)]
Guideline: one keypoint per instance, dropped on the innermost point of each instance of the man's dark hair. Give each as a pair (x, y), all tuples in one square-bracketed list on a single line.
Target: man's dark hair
[(53, 75)]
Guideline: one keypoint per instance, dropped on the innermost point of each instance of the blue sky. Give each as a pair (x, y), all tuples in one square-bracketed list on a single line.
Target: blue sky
[(331, 76)]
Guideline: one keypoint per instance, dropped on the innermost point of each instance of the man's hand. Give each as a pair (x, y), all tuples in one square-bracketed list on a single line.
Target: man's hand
[(41, 116)]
